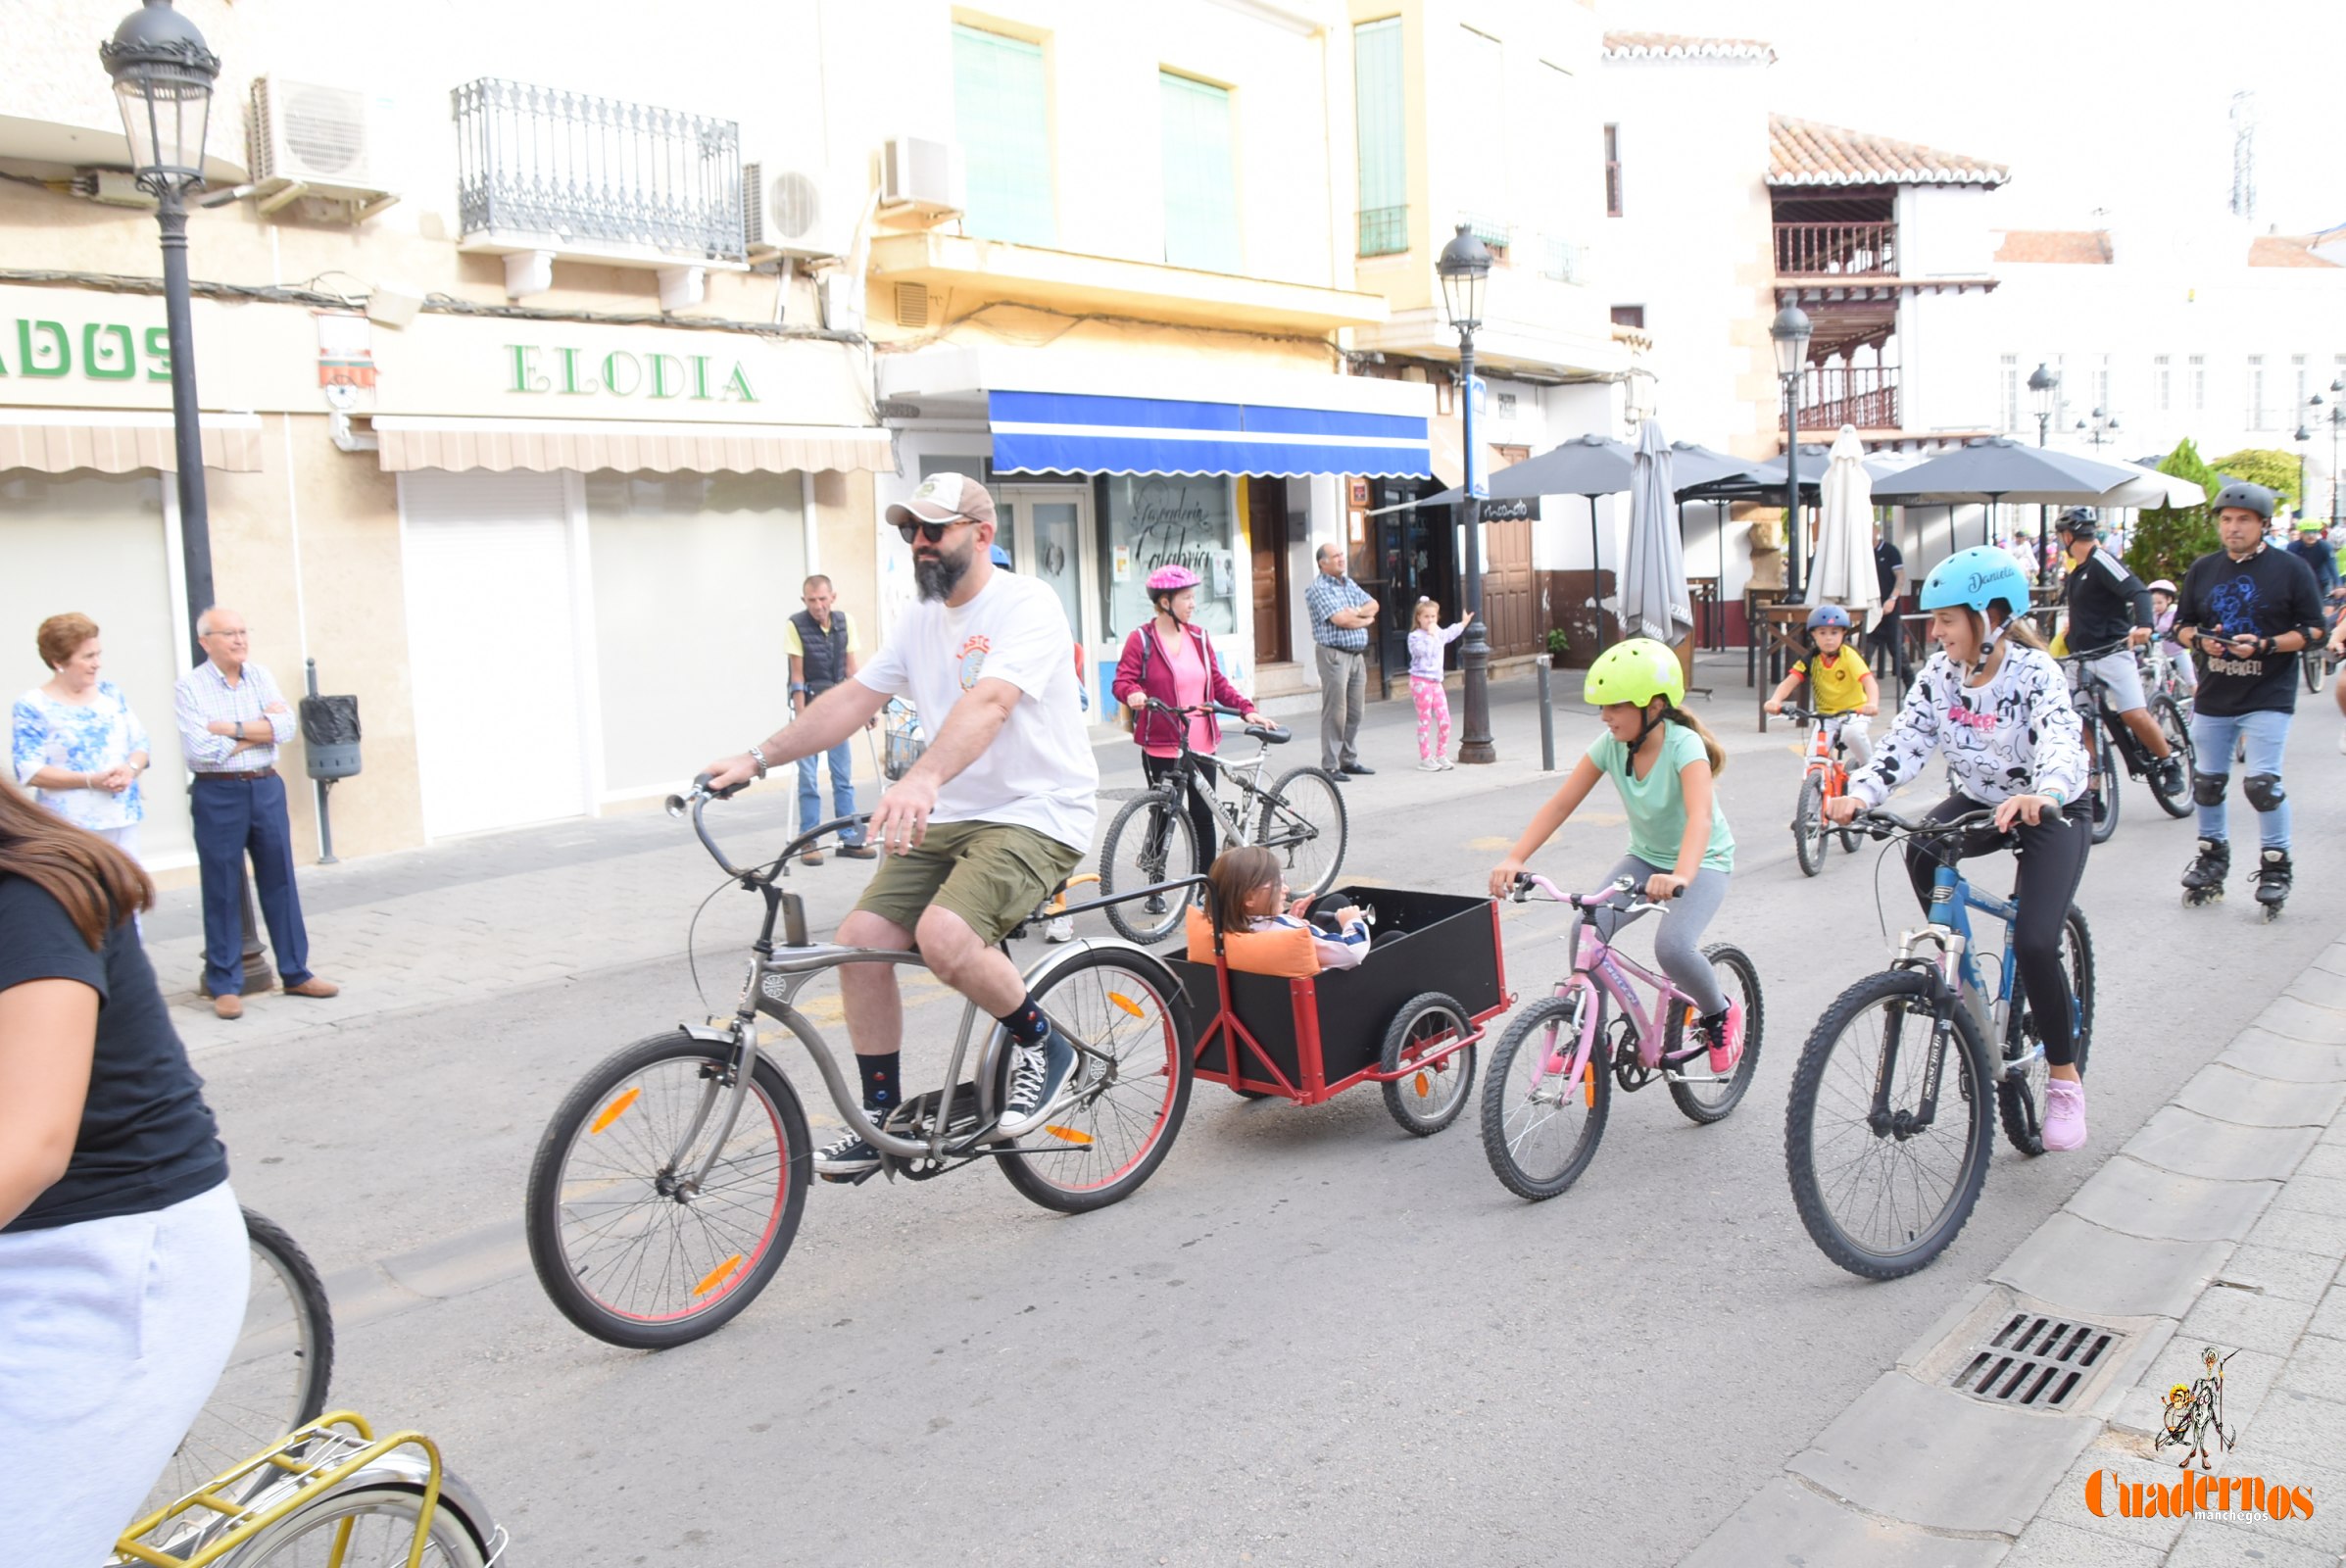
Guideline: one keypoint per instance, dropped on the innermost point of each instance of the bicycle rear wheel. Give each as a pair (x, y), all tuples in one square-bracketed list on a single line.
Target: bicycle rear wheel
[(1540, 1129), (2168, 715), (1151, 841), (1701, 1094), (1878, 1195), (623, 1244), (362, 1526), (2021, 1097), (1304, 821), (1130, 1086), (1808, 825), (276, 1376)]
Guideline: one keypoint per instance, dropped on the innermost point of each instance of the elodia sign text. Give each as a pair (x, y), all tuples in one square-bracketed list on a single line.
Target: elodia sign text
[(620, 373)]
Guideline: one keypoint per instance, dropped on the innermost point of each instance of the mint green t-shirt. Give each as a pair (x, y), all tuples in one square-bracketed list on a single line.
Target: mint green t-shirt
[(1656, 805)]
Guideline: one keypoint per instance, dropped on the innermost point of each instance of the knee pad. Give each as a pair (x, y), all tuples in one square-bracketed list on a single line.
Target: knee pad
[(2208, 788), (2263, 790)]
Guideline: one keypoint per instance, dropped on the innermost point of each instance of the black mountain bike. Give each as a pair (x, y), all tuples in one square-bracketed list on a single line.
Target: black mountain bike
[(2108, 742)]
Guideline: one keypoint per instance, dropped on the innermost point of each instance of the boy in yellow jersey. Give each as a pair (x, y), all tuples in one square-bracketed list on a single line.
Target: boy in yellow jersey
[(1841, 689)]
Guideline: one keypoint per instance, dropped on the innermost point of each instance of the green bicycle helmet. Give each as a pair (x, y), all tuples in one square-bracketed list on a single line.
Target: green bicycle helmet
[(1635, 671)]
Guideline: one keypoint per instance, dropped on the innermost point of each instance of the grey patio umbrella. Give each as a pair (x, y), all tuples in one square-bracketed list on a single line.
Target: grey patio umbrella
[(1655, 601), (1996, 469)]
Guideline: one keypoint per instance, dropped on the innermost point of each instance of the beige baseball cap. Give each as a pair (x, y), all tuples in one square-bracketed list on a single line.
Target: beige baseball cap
[(944, 498)]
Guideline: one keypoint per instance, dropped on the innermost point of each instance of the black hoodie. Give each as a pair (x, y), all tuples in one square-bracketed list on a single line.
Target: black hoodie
[(2270, 593)]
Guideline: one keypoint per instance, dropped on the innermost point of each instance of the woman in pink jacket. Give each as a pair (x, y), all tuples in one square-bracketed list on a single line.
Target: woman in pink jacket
[(1172, 659)]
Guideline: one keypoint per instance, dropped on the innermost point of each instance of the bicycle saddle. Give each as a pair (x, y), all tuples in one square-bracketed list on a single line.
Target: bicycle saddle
[(1270, 734)]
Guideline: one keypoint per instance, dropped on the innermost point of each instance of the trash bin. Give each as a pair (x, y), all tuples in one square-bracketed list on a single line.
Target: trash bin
[(331, 736)]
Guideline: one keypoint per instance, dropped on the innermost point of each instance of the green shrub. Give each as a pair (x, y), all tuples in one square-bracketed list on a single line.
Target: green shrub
[(1558, 644), (2168, 539), (2276, 471)]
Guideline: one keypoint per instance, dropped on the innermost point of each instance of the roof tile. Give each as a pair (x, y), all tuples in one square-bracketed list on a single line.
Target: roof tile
[(1804, 151), (2286, 250)]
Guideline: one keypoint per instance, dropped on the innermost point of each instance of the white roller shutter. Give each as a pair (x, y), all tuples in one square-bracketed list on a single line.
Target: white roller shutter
[(493, 647)]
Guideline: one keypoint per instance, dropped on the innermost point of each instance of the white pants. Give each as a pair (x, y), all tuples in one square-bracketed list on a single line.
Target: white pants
[(112, 1335), (124, 838), (1855, 732)]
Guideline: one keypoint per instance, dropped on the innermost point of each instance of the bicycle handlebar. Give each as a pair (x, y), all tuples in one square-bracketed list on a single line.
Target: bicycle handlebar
[(1269, 734), (693, 803), (1527, 882)]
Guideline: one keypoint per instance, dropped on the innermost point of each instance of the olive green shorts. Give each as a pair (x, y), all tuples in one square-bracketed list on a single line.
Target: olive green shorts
[(991, 874)]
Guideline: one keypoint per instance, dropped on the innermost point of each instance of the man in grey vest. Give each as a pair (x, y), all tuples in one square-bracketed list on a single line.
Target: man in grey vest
[(823, 652)]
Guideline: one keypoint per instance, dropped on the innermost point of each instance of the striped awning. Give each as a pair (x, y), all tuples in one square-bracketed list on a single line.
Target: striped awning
[(101, 441), (549, 445), (1066, 432)]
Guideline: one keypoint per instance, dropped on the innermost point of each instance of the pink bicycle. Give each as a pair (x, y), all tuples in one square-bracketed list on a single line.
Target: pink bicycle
[(1550, 1082)]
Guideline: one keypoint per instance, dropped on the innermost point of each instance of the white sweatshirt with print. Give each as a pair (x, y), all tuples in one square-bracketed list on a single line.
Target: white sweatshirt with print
[(2017, 735)]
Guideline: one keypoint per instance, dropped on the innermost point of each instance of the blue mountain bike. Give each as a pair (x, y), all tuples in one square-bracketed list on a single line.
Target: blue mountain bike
[(1886, 1149)]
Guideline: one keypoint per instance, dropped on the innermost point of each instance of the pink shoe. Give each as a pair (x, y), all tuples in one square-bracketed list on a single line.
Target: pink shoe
[(1727, 1050), (2064, 1115)]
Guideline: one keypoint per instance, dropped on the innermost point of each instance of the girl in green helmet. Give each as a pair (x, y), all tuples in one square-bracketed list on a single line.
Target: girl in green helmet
[(1662, 761)]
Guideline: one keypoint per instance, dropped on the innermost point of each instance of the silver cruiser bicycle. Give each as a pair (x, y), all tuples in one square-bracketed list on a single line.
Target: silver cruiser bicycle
[(670, 1184)]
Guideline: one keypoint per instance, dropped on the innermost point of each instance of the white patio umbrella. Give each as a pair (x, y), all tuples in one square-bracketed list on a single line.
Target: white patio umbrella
[(1655, 601), (1843, 570), (2151, 488)]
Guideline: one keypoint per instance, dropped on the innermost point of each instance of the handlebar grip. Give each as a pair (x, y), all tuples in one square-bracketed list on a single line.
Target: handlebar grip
[(701, 782)]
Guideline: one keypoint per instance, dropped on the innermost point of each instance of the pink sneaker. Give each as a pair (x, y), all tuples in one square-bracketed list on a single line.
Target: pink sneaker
[(1729, 1049), (2064, 1115)]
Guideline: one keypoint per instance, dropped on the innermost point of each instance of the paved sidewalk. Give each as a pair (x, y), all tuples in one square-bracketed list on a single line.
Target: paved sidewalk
[(2222, 1223)]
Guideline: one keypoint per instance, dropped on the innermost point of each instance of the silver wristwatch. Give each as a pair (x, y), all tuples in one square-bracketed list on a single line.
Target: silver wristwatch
[(757, 761)]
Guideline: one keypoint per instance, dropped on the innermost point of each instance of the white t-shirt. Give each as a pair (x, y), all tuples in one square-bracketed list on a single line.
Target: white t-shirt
[(1039, 772)]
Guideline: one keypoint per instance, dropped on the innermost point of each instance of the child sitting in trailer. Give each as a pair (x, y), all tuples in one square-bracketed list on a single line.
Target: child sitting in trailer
[(1248, 891)]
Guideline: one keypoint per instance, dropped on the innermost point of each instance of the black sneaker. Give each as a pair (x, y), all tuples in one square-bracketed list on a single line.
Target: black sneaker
[(851, 1155), (1038, 1073)]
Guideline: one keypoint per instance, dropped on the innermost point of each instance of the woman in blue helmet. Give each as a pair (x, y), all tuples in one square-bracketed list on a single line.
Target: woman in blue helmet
[(1996, 704)]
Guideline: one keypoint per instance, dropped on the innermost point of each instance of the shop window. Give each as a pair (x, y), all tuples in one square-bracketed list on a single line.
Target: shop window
[(1201, 227), (1383, 137), (1003, 121), (1159, 520)]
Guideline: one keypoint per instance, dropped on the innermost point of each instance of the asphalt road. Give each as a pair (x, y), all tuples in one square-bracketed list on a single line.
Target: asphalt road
[(1311, 1338)]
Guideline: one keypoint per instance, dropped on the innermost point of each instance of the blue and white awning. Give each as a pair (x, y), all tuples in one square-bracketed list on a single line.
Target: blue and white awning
[(1068, 432)]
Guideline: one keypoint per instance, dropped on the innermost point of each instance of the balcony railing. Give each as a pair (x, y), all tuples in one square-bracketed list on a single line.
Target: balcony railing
[(1831, 396), (1384, 230), (541, 161), (1563, 260), (1495, 232), (1837, 250)]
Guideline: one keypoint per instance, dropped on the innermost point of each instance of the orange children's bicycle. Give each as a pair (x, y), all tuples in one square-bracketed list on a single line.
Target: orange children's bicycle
[(1826, 777)]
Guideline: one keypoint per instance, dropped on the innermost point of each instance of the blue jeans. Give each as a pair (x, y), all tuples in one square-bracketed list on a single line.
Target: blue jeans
[(232, 816), (842, 790), (2213, 738)]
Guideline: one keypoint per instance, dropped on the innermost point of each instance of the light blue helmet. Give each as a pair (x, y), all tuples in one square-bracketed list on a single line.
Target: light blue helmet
[(1829, 615), (1976, 578)]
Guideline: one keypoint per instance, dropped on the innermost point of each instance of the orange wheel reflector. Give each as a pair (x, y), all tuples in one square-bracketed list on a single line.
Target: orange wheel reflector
[(615, 1110), (1423, 1085), (1068, 1135), (1126, 1002), (1588, 1087), (718, 1275)]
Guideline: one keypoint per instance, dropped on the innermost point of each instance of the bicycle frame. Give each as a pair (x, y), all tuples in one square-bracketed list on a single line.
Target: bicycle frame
[(1608, 972), (1237, 817)]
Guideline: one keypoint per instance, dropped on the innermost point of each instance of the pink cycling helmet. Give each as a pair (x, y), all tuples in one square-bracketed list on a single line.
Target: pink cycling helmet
[(1171, 579)]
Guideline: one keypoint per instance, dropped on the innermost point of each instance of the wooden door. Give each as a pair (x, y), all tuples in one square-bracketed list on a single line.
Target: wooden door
[(1509, 605), (1266, 536)]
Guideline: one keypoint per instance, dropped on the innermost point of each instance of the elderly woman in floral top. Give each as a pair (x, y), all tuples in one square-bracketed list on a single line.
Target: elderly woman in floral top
[(75, 741)]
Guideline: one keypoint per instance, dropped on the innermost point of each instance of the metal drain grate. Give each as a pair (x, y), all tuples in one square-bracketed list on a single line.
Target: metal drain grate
[(2036, 1362)]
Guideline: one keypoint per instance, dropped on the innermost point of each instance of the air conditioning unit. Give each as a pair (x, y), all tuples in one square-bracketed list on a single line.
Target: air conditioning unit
[(923, 175), (788, 214), (312, 139)]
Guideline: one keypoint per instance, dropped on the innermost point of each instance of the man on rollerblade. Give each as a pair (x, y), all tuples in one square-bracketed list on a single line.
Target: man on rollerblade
[(2247, 611)]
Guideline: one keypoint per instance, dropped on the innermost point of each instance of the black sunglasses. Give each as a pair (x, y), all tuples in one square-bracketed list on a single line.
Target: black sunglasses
[(934, 532)]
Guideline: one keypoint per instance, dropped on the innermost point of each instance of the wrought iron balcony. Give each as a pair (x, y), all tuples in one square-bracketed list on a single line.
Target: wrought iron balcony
[(598, 174), (1830, 396), (1837, 250), (1384, 230), (1562, 260)]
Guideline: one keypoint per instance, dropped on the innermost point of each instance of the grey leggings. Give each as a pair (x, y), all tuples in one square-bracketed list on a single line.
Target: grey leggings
[(1678, 939)]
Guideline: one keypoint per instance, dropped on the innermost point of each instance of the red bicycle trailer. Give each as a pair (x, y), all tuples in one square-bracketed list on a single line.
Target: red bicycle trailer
[(1407, 1018)]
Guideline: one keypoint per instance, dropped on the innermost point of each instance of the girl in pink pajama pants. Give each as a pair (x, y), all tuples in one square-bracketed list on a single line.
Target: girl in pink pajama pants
[(1426, 642)]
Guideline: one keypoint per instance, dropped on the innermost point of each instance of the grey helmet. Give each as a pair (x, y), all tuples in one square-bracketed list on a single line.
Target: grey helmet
[(2240, 492)]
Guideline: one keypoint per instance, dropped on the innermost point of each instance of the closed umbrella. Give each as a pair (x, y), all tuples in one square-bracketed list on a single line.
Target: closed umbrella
[(1843, 570), (1655, 601)]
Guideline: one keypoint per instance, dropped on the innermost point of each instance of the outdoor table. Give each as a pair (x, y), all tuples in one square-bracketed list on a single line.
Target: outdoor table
[(1786, 642), (1709, 617)]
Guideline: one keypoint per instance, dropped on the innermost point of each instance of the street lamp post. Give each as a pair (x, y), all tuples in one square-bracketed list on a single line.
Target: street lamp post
[(2101, 429), (1791, 332), (162, 75), (2304, 439), (2043, 384), (1464, 267)]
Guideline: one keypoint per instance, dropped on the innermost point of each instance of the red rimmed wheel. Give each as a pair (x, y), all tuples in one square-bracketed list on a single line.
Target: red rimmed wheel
[(626, 1242)]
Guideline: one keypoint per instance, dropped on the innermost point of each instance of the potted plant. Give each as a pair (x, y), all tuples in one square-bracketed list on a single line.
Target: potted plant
[(1558, 645)]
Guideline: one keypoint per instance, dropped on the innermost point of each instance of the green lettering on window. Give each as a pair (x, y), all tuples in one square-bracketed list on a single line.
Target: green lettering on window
[(661, 387), (528, 377), (159, 354), (60, 354), (571, 374), (737, 386), (611, 363), (101, 366)]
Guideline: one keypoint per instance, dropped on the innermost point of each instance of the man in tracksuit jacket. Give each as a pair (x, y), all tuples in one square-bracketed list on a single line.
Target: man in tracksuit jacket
[(2108, 604)]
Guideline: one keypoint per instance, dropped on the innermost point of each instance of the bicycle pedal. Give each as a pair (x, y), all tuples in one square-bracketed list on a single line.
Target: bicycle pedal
[(855, 1180)]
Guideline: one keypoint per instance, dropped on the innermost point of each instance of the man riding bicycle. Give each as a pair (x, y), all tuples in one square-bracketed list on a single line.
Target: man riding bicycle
[(992, 817), (2248, 612), (2108, 603)]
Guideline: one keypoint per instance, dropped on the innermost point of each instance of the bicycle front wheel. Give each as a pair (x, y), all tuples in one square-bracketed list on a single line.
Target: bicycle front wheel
[(1303, 822), (1808, 825), (1131, 1087), (1541, 1128), (361, 1527), (1880, 1192), (626, 1242), (2021, 1096), (276, 1376), (2168, 713), (1151, 841)]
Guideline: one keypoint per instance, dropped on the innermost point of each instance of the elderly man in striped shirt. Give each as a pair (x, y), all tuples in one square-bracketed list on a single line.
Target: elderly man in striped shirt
[(231, 722)]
